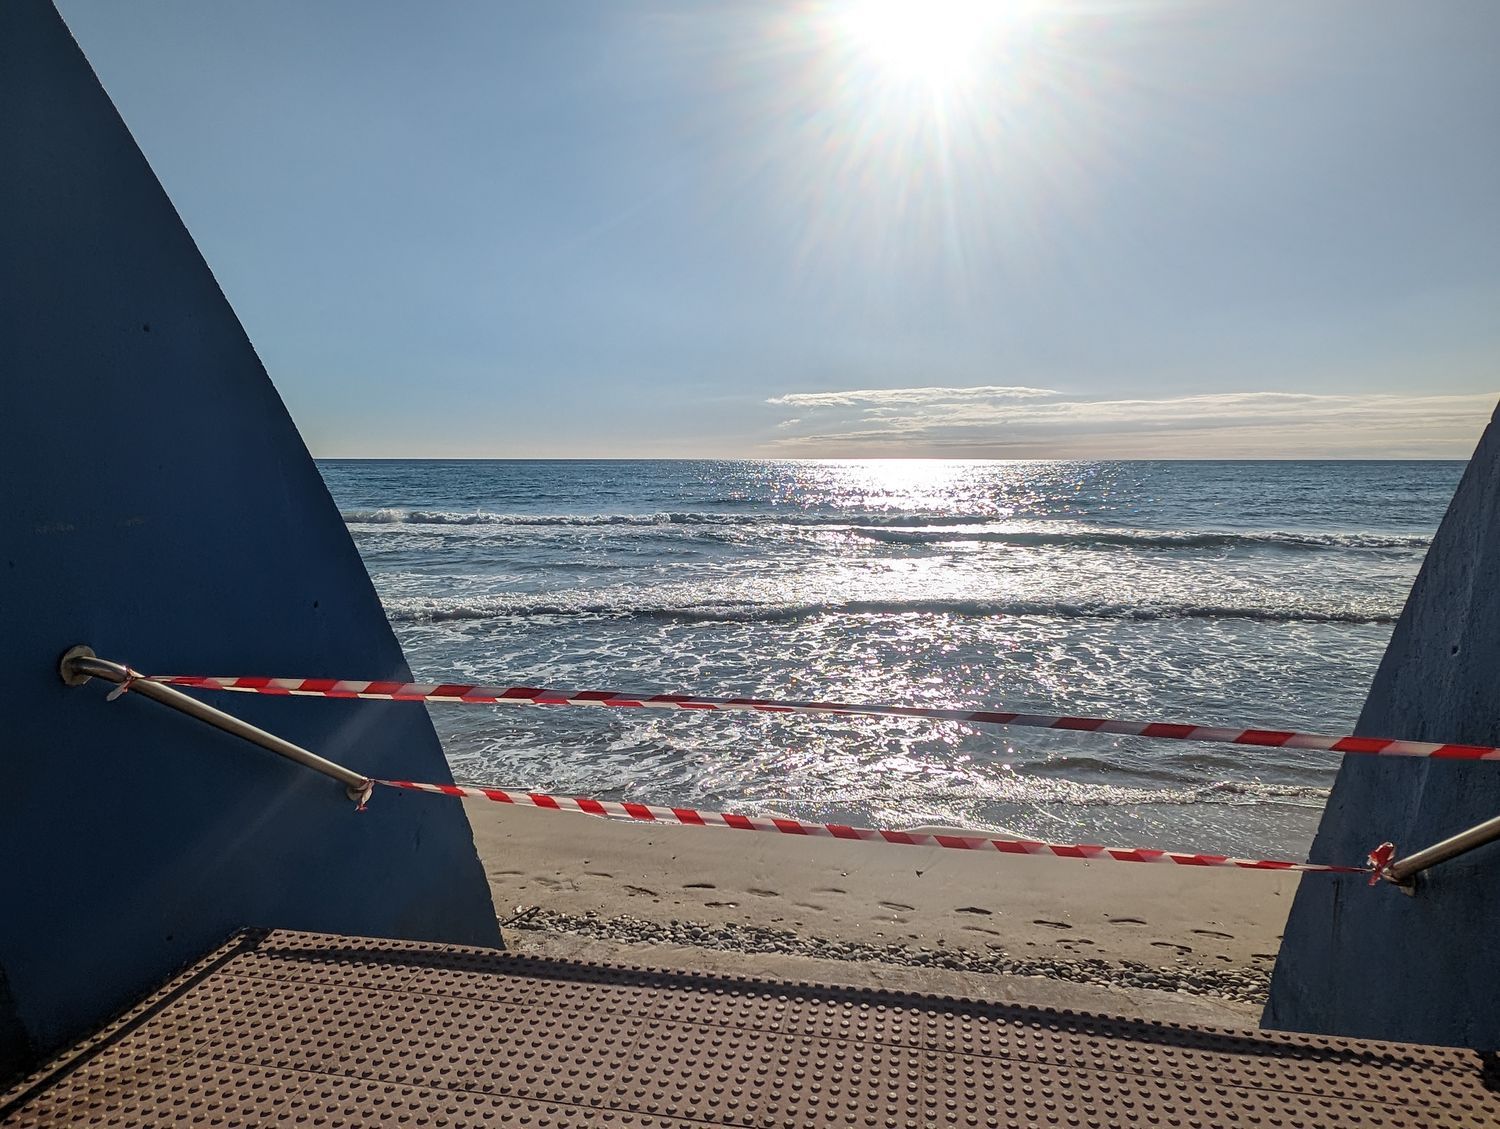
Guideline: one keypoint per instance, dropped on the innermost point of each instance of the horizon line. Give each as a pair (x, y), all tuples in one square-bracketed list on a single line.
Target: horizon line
[(875, 459)]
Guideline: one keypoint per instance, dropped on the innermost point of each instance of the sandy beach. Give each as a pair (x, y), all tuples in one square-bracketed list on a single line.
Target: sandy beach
[(1160, 942)]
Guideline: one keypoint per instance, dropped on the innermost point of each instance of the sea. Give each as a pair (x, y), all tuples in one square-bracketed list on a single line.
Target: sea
[(1225, 593)]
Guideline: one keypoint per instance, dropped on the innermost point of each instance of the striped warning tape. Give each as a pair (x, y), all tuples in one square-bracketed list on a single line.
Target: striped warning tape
[(691, 817), (614, 699)]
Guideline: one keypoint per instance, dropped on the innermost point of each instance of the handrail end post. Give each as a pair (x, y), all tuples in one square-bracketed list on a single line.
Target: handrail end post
[(67, 666), (1407, 884), (79, 664)]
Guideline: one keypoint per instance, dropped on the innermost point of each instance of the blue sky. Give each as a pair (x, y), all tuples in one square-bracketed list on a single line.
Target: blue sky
[(839, 230)]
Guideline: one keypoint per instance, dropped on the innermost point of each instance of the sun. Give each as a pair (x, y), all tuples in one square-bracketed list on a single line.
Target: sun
[(936, 43)]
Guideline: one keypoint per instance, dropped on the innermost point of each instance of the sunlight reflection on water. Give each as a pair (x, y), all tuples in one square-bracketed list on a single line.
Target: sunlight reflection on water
[(1256, 594)]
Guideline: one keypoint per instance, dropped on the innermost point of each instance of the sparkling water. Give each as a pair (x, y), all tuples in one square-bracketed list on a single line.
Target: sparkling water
[(1235, 593)]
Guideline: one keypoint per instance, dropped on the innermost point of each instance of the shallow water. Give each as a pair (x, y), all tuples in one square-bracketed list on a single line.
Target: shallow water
[(1224, 593)]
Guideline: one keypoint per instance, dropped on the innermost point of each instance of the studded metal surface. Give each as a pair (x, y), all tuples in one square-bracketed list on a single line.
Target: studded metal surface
[(300, 1029)]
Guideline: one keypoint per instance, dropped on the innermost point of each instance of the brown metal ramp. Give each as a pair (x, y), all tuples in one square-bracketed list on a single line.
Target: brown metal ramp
[(301, 1029)]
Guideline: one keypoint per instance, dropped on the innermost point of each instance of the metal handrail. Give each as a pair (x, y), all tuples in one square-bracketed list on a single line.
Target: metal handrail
[(1404, 870), (80, 664)]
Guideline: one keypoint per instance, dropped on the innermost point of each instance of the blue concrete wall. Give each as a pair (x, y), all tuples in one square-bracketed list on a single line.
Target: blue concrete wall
[(1374, 962), (159, 506)]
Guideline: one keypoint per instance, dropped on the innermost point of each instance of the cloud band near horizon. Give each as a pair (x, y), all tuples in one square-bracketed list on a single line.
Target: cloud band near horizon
[(1003, 421)]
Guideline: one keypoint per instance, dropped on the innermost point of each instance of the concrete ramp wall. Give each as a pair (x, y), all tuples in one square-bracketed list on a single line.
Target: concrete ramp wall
[(1374, 962), (159, 505)]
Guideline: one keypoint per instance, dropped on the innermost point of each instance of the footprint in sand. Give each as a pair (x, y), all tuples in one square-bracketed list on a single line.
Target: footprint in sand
[(641, 890), (721, 905), (598, 874), (810, 905), (1184, 949), (759, 893), (1126, 920), (829, 890), (981, 929), (1214, 933), (700, 886), (979, 910), (507, 873), (896, 907), (1052, 924)]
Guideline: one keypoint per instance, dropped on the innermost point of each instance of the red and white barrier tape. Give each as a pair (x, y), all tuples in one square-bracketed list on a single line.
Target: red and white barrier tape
[(613, 699), (690, 817)]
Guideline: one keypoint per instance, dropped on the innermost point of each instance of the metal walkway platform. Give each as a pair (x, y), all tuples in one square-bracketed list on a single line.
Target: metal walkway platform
[(301, 1029)]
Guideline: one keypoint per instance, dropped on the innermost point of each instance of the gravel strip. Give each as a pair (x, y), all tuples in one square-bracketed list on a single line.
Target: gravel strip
[(1247, 985)]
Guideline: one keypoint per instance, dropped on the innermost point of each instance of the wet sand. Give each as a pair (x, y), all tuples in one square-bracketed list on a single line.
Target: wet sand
[(1140, 931)]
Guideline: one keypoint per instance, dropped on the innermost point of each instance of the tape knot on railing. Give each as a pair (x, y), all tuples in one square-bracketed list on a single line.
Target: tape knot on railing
[(1380, 860), (131, 678), (361, 796)]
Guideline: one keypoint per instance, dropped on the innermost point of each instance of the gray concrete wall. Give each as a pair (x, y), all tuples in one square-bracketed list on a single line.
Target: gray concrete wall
[(1374, 962), (159, 505)]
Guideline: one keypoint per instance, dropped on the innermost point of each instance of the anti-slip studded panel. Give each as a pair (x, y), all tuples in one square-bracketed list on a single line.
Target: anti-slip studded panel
[(303, 1029)]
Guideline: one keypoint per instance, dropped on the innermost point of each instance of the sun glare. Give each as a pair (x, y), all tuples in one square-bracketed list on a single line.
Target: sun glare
[(934, 42), (916, 138)]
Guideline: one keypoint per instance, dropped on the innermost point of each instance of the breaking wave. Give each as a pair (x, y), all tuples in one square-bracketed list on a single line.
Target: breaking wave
[(430, 610), (914, 529)]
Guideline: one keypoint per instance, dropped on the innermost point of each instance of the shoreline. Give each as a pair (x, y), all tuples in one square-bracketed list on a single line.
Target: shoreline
[(1139, 938)]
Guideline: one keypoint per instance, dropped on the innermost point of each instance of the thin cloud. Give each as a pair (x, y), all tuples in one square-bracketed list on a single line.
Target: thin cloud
[(877, 397)]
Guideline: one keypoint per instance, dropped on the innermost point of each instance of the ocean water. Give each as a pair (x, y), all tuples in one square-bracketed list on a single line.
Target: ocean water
[(1258, 594)]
